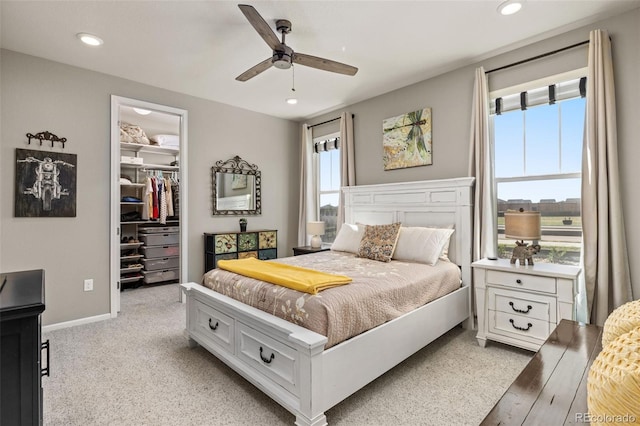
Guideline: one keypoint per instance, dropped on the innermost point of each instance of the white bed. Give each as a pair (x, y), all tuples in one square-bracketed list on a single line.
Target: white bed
[(289, 363)]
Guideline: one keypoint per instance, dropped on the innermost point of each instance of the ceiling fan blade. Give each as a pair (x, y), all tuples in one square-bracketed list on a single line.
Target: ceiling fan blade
[(324, 64), (255, 70), (260, 25)]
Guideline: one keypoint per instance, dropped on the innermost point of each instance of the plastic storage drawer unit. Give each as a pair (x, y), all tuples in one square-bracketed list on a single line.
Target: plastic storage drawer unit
[(159, 230), (161, 263), (159, 239), (160, 251), (151, 277)]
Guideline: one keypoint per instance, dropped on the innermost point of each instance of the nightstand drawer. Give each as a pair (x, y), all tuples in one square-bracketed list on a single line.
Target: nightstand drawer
[(517, 325), (521, 303), (522, 281)]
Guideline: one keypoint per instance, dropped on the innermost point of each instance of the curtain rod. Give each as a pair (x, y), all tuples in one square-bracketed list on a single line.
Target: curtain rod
[(328, 121), (538, 57)]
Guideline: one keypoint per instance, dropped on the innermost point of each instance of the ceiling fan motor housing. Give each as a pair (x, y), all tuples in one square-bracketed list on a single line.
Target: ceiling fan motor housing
[(282, 57)]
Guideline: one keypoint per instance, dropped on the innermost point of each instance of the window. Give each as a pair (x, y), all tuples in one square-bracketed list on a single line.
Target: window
[(538, 159), (327, 154)]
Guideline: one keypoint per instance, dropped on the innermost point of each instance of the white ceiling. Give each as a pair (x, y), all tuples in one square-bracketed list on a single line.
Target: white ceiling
[(199, 47)]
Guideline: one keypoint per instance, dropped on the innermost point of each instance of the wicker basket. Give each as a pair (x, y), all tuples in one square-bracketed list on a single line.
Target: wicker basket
[(613, 386), (623, 319)]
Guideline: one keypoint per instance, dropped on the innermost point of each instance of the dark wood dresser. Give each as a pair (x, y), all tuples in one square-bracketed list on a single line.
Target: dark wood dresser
[(552, 389), (21, 304)]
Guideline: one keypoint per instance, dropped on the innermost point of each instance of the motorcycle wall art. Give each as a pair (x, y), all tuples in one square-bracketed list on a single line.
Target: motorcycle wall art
[(45, 184)]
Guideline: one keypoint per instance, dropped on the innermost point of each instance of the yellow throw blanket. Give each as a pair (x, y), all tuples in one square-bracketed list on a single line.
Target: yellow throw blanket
[(294, 277)]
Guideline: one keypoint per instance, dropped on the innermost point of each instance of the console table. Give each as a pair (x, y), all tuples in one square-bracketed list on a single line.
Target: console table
[(552, 389)]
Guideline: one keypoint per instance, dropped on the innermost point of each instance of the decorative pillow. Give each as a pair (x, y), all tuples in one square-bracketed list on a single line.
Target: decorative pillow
[(424, 245), (348, 238), (379, 241), (133, 134)]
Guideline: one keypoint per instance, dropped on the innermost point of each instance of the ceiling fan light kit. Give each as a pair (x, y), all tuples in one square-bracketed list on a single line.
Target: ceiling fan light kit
[(283, 56)]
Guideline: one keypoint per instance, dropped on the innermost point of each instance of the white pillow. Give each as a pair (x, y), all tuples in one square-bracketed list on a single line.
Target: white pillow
[(424, 245), (348, 238)]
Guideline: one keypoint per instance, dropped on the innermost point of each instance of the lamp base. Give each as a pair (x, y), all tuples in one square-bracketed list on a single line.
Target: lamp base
[(524, 253), (316, 241)]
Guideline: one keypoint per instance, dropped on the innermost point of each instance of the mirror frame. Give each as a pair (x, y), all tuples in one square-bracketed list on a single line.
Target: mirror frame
[(237, 166)]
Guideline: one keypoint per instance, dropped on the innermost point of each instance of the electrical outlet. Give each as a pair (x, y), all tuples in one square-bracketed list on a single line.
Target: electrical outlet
[(88, 284)]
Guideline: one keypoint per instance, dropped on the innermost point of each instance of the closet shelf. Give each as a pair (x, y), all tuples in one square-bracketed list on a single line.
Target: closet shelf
[(131, 203), (133, 185), (135, 147), (125, 280), (124, 246), (130, 270), (145, 167), (131, 257), (145, 222)]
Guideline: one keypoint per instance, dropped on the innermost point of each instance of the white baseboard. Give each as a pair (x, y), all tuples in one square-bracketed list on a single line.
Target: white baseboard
[(73, 323)]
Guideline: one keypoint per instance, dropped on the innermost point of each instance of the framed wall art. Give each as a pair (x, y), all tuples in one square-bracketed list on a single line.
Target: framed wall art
[(45, 184), (406, 140)]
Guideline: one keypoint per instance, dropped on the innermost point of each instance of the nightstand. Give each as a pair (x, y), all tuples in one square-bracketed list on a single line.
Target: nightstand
[(522, 305), (297, 251)]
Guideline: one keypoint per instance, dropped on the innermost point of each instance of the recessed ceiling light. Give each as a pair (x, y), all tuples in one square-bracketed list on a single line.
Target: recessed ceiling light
[(292, 101), (142, 111), (90, 39), (509, 7)]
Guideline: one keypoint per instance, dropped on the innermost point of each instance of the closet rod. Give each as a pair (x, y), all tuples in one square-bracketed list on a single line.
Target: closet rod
[(537, 57), (328, 121)]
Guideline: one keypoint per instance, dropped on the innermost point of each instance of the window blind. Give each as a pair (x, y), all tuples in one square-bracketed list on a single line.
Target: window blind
[(326, 145), (542, 95)]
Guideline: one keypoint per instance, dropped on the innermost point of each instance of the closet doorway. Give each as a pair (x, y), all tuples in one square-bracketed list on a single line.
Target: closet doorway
[(148, 244)]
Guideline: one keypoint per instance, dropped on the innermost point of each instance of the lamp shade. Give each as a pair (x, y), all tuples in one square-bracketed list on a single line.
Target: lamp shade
[(315, 228), (522, 225)]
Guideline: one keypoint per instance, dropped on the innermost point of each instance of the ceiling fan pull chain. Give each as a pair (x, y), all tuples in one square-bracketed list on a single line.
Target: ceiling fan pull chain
[(293, 78)]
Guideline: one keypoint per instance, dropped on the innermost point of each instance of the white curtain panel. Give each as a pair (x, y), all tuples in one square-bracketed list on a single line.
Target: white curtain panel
[(347, 159), (308, 188), (485, 219), (605, 259)]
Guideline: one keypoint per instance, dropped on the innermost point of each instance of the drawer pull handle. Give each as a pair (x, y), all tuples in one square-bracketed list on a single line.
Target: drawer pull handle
[(213, 327), (518, 281), (45, 345), (266, 360), (520, 311), (529, 325)]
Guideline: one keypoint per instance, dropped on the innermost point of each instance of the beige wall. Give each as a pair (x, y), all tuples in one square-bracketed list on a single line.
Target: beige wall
[(449, 96), (40, 95)]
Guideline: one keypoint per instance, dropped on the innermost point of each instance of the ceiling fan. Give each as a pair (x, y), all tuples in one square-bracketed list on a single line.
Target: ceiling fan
[(284, 56)]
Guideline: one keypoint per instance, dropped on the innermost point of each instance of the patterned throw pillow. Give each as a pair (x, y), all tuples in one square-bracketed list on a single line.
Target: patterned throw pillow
[(379, 241)]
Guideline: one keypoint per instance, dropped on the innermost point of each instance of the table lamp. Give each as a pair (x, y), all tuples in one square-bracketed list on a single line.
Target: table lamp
[(316, 229), (523, 225)]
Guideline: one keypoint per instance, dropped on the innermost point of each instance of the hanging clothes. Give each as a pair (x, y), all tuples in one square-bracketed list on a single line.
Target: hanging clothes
[(147, 201), (169, 193), (175, 189), (156, 211), (162, 201)]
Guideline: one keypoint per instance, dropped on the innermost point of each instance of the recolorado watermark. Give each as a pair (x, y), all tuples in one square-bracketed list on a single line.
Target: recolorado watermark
[(604, 418)]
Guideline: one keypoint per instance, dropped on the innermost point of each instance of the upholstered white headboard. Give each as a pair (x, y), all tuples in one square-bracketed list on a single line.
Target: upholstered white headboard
[(435, 203)]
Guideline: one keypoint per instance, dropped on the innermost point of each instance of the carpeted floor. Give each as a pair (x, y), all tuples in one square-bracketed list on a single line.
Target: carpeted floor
[(138, 370)]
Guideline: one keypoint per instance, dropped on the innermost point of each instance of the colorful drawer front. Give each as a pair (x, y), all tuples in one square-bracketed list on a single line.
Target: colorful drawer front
[(267, 240), (226, 243), (225, 256), (247, 254), (268, 254), (248, 241)]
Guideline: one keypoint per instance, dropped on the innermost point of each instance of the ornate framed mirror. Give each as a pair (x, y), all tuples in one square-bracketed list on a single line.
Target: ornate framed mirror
[(236, 187)]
